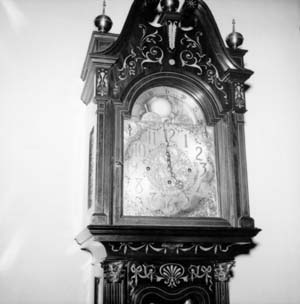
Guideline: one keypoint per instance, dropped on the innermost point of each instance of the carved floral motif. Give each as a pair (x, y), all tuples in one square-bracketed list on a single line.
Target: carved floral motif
[(239, 97), (170, 274), (102, 82), (113, 271)]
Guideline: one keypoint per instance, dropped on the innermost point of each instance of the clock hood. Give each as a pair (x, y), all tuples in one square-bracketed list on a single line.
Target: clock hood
[(192, 17), (181, 39)]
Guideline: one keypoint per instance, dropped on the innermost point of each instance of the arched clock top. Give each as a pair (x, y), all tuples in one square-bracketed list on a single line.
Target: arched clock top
[(199, 91), (193, 16), (189, 26), (185, 40)]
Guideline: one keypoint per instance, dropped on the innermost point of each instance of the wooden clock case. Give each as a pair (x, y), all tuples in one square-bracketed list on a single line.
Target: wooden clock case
[(165, 259)]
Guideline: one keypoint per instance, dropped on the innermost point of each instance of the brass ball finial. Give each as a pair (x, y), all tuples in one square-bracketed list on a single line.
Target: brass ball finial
[(103, 22), (234, 39)]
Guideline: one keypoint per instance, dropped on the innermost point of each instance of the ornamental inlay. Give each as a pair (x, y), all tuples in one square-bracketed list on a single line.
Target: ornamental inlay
[(147, 51), (102, 82), (166, 248), (172, 31), (239, 97), (193, 56), (199, 272), (170, 274)]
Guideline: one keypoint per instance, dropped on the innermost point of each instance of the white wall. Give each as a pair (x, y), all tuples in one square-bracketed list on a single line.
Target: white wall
[(42, 156), (272, 35)]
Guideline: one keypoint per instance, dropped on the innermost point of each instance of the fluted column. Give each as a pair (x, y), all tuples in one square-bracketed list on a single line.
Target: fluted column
[(222, 274), (114, 285)]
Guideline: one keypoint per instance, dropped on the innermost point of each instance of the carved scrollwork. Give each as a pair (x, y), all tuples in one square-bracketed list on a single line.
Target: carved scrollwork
[(154, 55), (222, 271), (214, 78), (128, 67), (191, 43), (147, 51), (188, 58), (193, 57)]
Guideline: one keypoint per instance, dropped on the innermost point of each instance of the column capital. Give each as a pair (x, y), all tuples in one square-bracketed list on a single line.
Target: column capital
[(222, 271)]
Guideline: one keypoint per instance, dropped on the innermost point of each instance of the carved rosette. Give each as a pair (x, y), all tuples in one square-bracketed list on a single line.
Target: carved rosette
[(239, 98), (222, 271), (101, 82)]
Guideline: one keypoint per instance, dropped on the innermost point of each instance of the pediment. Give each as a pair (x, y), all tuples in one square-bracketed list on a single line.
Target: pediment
[(185, 40)]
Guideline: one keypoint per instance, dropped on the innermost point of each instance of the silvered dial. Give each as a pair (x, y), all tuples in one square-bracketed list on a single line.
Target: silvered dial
[(169, 159)]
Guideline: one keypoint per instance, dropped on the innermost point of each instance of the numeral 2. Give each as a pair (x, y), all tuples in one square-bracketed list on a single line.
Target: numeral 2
[(172, 133), (199, 151)]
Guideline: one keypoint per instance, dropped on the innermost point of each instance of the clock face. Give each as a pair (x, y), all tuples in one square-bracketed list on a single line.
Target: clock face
[(169, 159)]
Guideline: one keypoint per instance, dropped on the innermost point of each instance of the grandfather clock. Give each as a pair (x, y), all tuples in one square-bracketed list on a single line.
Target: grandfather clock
[(167, 205)]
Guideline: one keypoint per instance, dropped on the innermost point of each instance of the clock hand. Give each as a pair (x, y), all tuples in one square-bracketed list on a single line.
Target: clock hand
[(178, 183)]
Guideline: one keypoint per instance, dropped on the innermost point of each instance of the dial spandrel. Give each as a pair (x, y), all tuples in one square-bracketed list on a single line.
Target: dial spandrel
[(169, 157)]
